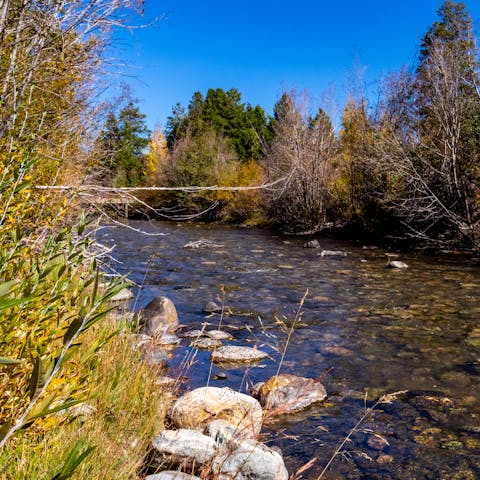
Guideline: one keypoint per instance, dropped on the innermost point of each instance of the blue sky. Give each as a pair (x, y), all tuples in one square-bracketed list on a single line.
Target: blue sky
[(263, 47)]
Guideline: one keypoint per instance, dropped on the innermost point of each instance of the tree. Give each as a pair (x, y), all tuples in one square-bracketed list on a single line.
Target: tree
[(302, 151), (436, 161), (360, 180), (123, 142), (244, 127)]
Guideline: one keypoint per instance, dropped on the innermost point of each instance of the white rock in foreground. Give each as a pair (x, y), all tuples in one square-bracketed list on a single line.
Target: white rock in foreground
[(171, 475), (233, 354), (183, 447), (249, 460), (196, 409)]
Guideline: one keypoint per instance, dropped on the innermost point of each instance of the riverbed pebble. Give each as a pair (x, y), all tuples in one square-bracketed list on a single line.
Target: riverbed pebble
[(234, 354)]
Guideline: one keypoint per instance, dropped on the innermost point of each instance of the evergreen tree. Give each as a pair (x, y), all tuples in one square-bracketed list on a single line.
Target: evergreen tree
[(122, 144)]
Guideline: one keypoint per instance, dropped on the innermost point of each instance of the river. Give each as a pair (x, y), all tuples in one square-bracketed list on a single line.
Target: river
[(382, 330)]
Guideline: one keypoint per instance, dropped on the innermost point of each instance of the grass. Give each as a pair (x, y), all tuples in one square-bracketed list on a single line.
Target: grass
[(129, 408)]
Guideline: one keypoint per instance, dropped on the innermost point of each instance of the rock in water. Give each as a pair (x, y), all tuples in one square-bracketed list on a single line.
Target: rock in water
[(202, 243), (158, 317), (333, 253), (394, 263), (196, 409), (212, 307), (312, 244), (233, 354), (290, 393), (183, 447), (249, 460), (122, 296)]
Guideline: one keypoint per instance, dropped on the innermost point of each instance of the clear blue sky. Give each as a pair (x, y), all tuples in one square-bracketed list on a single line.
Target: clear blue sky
[(262, 47)]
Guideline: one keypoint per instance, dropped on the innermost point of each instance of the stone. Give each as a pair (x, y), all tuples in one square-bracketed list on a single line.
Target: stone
[(384, 459), (202, 243), (234, 354), (289, 393), (222, 431), (377, 442), (164, 381), (138, 340), (206, 343), (248, 460), (336, 350), (168, 339), (193, 334), (183, 447), (333, 253), (154, 355), (394, 263), (158, 317), (312, 244), (218, 335), (123, 295), (171, 475), (212, 307), (397, 264), (196, 409)]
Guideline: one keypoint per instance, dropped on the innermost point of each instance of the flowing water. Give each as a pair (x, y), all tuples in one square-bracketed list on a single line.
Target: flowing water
[(382, 330)]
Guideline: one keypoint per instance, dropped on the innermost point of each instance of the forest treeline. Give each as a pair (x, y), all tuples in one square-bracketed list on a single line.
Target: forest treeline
[(406, 166)]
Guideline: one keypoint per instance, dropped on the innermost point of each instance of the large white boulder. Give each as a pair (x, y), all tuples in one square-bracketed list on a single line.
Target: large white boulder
[(196, 409)]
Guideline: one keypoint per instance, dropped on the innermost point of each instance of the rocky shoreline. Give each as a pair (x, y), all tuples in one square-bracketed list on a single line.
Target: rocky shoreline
[(214, 431)]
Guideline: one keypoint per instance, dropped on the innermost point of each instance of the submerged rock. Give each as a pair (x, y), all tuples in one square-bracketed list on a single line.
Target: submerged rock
[(212, 307), (206, 343), (290, 393), (158, 317), (202, 243), (234, 354), (333, 253), (218, 335), (196, 409), (249, 460), (312, 244), (183, 447)]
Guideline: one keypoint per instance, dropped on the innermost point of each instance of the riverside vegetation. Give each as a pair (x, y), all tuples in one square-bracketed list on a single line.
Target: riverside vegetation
[(406, 166), (412, 159)]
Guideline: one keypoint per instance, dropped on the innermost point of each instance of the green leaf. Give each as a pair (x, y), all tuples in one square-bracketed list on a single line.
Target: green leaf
[(9, 361), (73, 328), (75, 457), (41, 371), (6, 287)]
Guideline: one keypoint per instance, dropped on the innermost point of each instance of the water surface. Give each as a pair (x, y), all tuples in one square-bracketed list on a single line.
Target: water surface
[(382, 330)]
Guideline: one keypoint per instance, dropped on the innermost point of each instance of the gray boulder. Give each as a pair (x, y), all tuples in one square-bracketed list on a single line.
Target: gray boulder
[(158, 317)]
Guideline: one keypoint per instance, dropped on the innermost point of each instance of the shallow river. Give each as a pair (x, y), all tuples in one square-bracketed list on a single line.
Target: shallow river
[(382, 330)]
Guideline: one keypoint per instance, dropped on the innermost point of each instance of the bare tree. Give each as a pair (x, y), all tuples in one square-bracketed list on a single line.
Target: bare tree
[(302, 150)]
